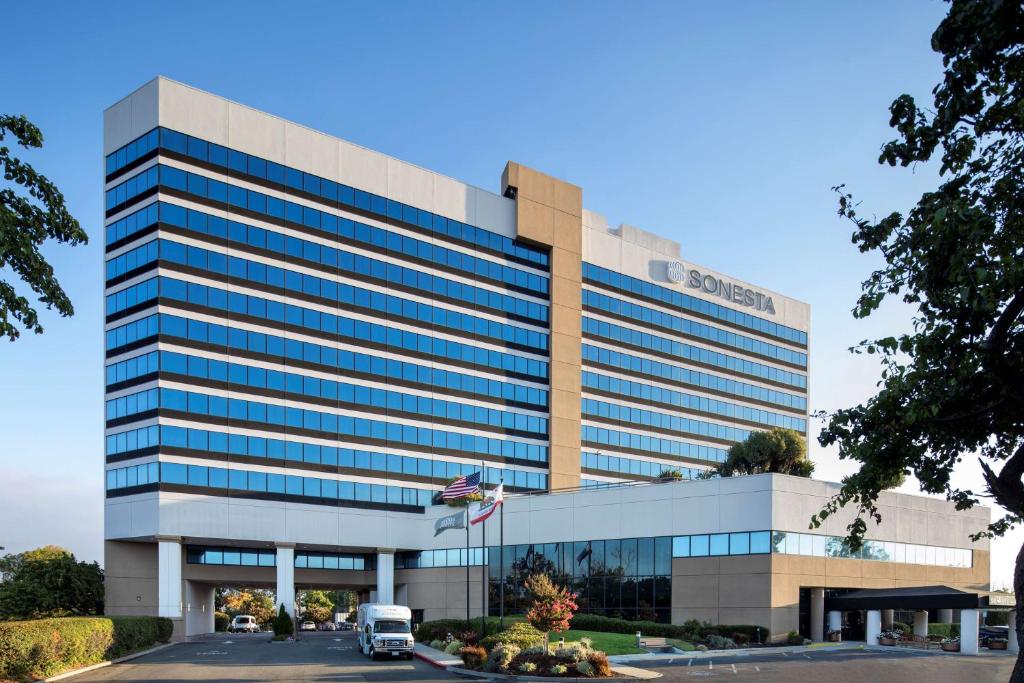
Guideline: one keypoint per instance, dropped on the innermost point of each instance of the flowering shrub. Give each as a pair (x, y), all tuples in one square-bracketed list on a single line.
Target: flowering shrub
[(558, 670), (955, 640), (527, 667), (501, 656), (553, 606), (719, 642), (892, 634)]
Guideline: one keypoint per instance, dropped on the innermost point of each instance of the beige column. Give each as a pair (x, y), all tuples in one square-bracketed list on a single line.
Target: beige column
[(549, 212), (817, 614)]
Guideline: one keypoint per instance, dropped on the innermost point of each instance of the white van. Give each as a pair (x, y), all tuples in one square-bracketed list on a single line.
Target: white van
[(243, 623), (385, 630)]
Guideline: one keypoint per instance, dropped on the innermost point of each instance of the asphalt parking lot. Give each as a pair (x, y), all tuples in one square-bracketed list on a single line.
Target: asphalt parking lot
[(327, 656), (840, 666), (333, 657)]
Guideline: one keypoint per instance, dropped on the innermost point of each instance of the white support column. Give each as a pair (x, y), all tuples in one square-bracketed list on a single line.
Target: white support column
[(385, 576), (835, 621), (285, 563), (921, 623), (945, 616), (1011, 633), (169, 576), (872, 627), (887, 618), (818, 614), (969, 631)]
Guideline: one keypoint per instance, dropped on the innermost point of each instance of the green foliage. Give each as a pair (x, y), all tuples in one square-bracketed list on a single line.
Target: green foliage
[(453, 647), (500, 657), (954, 385), (777, 450), (49, 582), (997, 618), (522, 635), (668, 473), (558, 669), (717, 642), (317, 605), (599, 663), (690, 630), (221, 621), (551, 606), (46, 647), (26, 222), (900, 626), (439, 629), (794, 638), (585, 669), (944, 630), (283, 624)]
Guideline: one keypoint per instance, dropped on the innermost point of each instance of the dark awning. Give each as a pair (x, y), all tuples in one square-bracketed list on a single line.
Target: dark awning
[(917, 597)]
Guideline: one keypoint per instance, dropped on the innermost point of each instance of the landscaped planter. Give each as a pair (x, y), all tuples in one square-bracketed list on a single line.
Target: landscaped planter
[(951, 647), (996, 645), (888, 642)]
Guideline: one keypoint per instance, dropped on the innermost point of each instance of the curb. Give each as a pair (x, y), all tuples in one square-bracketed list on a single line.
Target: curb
[(744, 652), (100, 665)]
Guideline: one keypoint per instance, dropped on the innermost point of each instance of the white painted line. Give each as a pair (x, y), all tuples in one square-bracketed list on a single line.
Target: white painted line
[(733, 668), (711, 665), (757, 669), (689, 662), (784, 654)]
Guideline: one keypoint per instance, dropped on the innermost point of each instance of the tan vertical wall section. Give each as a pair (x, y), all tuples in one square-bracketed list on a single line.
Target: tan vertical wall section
[(549, 212)]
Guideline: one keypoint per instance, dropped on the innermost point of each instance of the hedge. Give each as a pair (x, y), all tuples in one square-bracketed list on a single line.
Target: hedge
[(594, 622), (944, 630), (47, 647)]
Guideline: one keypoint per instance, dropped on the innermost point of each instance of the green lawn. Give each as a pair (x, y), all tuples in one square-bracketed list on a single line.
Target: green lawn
[(683, 645), (609, 643)]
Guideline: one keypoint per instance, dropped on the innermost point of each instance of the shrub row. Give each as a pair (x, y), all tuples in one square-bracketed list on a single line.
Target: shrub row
[(691, 630), (45, 647)]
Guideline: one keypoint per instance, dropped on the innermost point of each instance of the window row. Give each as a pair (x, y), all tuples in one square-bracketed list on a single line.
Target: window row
[(362, 363), (243, 557), (619, 465), (703, 545), (351, 396), (310, 560), (694, 378), (134, 186), (351, 331), (653, 342), (330, 191), (265, 482), (345, 263), (650, 444), (359, 234), (649, 290), (332, 425), (644, 598), (790, 543), (692, 328), (451, 557), (348, 230), (638, 418), (315, 454), (132, 259), (677, 399)]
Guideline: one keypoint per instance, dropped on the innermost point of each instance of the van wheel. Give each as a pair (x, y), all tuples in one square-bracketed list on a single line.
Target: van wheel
[(372, 653)]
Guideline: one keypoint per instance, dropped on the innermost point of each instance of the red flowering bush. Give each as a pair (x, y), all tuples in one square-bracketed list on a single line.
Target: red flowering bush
[(552, 606)]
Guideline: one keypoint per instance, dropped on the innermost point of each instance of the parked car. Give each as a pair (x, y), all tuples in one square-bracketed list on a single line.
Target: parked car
[(243, 623), (328, 626), (346, 626), (985, 633), (308, 626)]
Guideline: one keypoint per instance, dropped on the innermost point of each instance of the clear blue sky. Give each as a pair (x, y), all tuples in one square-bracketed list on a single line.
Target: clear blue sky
[(720, 125)]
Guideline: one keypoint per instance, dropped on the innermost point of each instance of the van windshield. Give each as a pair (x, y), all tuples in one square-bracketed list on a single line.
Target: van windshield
[(391, 627)]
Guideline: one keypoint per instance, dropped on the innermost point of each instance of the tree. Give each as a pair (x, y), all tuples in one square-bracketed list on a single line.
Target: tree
[(953, 386), (283, 624), (317, 606), (49, 582), (257, 603), (777, 450), (551, 608), (25, 223)]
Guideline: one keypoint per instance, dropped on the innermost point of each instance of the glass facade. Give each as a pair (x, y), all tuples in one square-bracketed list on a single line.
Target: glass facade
[(334, 326)]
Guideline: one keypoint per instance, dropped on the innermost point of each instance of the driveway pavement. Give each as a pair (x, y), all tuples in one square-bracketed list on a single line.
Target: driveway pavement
[(251, 657), (838, 666)]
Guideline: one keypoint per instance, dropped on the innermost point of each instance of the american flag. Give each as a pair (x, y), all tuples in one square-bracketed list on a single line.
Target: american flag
[(463, 486)]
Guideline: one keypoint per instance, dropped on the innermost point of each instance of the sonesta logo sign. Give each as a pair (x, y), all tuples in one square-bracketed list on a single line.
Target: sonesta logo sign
[(729, 291)]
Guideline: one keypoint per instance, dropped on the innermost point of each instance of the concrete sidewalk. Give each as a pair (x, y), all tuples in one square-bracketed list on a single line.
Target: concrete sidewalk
[(435, 657)]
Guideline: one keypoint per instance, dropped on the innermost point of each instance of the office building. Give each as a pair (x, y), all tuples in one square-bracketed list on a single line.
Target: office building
[(305, 340)]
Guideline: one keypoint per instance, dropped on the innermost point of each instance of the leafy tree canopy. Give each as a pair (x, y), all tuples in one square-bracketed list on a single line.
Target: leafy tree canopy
[(31, 211), (317, 605), (257, 603), (777, 450), (953, 386), (49, 582)]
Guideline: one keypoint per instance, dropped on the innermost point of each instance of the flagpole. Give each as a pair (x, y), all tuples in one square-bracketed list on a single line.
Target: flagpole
[(468, 625), (483, 558), (501, 559)]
